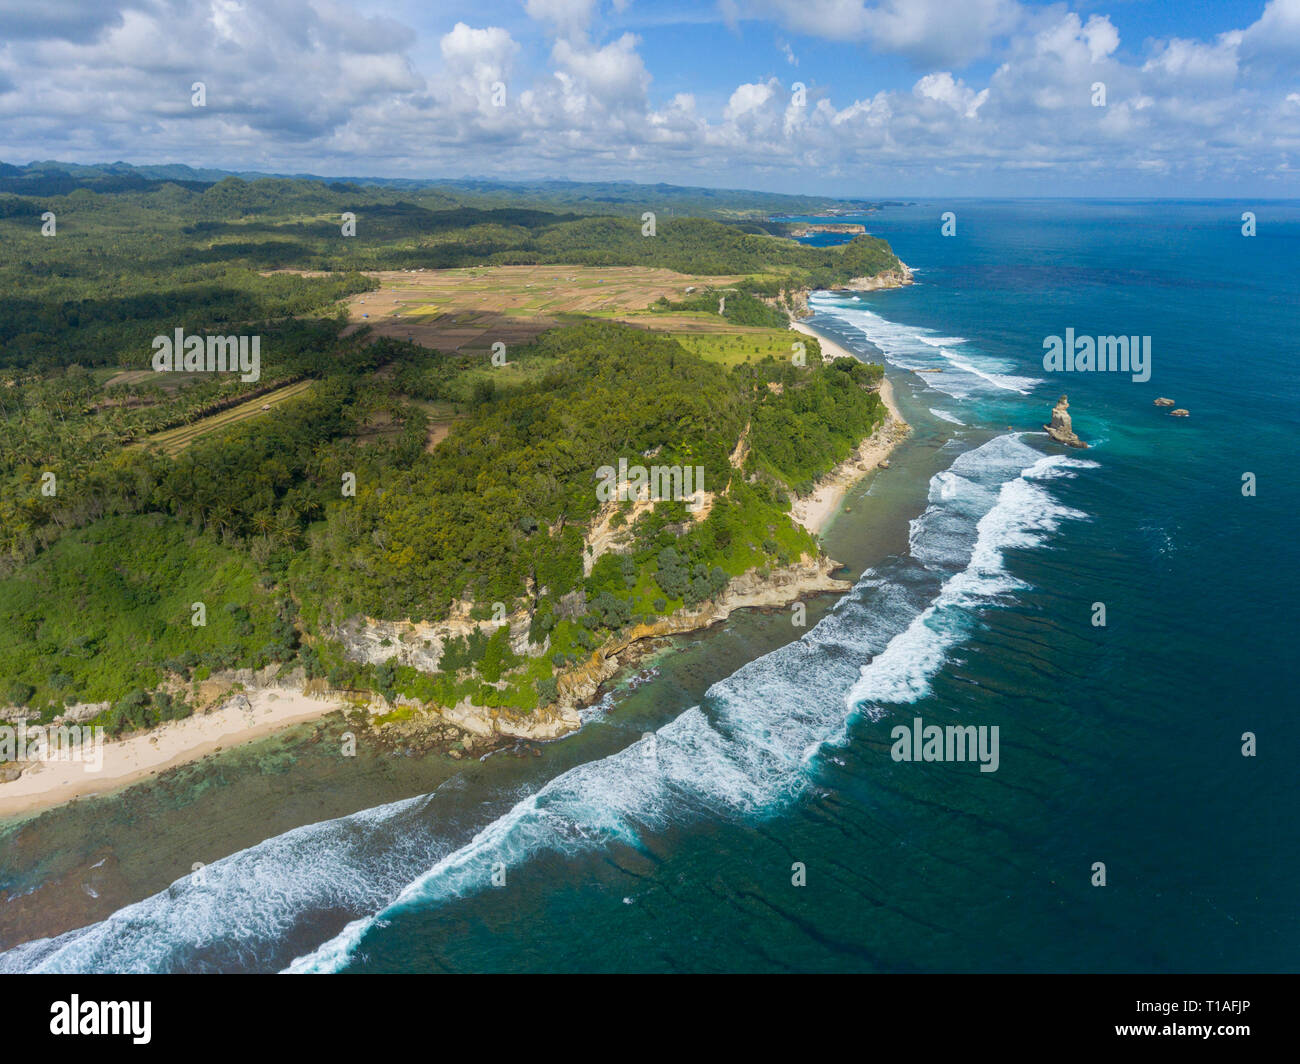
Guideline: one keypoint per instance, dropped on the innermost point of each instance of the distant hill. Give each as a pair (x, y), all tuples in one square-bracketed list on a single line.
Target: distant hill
[(53, 178)]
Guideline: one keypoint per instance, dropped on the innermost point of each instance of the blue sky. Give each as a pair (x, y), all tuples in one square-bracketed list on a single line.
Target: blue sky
[(899, 97)]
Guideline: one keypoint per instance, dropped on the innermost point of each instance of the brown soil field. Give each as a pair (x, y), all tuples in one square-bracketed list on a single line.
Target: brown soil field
[(471, 309)]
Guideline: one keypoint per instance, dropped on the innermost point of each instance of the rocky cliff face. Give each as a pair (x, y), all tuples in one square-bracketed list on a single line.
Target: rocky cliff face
[(1061, 429), (887, 279), (364, 639), (750, 590)]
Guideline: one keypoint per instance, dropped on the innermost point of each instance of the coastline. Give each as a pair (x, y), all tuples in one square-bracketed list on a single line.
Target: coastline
[(142, 755), (815, 511)]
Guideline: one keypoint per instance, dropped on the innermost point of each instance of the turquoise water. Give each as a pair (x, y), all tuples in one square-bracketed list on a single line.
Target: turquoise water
[(675, 850)]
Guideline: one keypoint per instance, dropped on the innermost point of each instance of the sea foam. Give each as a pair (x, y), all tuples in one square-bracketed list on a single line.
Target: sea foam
[(745, 752), (915, 348)]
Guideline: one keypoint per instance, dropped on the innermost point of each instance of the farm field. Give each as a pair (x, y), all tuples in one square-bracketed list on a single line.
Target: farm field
[(168, 382), (173, 441), (471, 309), (736, 345)]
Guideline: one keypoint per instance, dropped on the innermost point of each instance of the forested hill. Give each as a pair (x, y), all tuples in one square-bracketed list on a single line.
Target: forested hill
[(119, 267), (53, 178), (249, 520), (127, 496)]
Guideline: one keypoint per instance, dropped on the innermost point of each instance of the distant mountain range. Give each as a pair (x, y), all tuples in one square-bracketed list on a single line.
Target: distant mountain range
[(54, 178)]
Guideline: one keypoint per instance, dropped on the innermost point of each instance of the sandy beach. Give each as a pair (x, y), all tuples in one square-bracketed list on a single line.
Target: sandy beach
[(815, 511), (50, 783)]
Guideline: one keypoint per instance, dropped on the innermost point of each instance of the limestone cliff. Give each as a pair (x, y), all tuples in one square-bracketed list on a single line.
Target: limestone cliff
[(750, 590), (885, 279)]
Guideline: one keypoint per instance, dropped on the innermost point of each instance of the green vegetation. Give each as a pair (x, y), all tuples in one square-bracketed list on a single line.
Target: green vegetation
[(125, 266), (108, 609), (733, 348), (739, 308), (125, 499)]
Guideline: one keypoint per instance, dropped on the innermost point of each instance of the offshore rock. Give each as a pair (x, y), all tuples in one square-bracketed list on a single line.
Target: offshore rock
[(1061, 429)]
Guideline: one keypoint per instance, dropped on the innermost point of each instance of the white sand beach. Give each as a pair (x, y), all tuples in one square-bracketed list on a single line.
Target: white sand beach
[(49, 783), (814, 511)]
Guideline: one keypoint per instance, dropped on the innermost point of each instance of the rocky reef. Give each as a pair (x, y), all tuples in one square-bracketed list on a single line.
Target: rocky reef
[(1061, 429)]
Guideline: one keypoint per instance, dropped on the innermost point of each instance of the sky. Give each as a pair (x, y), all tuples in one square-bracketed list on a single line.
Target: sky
[(862, 98)]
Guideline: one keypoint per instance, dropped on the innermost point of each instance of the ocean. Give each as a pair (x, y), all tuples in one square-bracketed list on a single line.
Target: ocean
[(736, 806)]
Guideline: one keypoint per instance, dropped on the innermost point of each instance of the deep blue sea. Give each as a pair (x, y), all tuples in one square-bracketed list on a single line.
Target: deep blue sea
[(671, 834)]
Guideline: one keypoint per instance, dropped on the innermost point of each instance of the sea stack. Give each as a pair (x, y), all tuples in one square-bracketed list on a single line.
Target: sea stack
[(1060, 429)]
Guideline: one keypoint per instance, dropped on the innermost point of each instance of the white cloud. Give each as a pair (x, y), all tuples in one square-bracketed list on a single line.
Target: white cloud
[(1193, 61), (312, 85), (948, 32), (955, 93), (568, 17), (1272, 44), (613, 74), (749, 98)]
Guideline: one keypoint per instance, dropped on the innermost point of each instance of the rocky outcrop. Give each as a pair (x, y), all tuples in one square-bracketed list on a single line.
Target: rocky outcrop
[(492, 728), (420, 644), (807, 229), (885, 279), (545, 722), (750, 590), (1164, 402), (1180, 412), (795, 302), (1061, 429)]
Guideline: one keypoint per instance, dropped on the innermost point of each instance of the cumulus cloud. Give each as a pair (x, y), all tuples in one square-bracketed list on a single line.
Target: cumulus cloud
[(477, 58), (947, 90), (1272, 44), (73, 20), (612, 75), (314, 85)]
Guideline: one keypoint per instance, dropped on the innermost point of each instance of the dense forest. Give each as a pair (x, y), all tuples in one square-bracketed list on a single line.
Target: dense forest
[(329, 501)]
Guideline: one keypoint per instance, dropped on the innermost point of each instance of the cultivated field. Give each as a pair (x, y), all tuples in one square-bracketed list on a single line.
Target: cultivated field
[(471, 309), (173, 441), (736, 344), (169, 382)]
